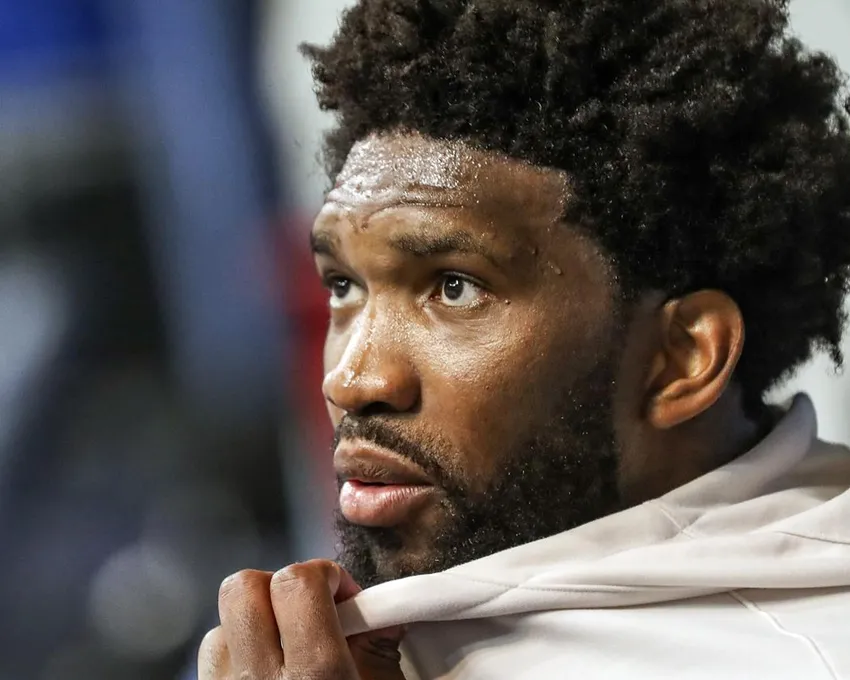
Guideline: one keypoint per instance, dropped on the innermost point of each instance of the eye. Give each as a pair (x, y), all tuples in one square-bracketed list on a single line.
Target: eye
[(343, 292), (458, 291)]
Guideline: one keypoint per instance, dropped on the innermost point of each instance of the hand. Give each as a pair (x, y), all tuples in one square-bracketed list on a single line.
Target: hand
[(284, 626)]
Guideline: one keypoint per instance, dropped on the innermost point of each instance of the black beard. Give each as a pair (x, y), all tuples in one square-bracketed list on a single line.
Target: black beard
[(561, 477)]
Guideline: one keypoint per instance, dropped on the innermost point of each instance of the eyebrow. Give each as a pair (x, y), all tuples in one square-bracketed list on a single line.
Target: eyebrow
[(417, 244), (324, 243), (427, 245)]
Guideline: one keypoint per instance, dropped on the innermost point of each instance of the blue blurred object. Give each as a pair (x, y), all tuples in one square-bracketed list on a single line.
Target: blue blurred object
[(42, 40), (188, 78), (142, 339)]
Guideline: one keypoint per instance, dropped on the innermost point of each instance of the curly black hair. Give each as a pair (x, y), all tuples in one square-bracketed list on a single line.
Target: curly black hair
[(707, 147)]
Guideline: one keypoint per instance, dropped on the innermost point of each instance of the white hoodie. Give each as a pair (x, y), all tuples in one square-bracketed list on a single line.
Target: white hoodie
[(742, 573)]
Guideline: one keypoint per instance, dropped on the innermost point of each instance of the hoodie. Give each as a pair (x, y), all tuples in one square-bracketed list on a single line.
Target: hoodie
[(741, 573)]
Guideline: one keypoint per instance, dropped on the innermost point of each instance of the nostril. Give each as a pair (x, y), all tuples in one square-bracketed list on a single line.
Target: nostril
[(377, 408)]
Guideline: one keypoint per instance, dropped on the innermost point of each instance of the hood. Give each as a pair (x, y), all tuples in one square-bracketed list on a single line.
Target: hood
[(776, 517)]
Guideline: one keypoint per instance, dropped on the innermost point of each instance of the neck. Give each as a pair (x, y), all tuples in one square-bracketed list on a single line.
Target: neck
[(726, 431), (693, 449)]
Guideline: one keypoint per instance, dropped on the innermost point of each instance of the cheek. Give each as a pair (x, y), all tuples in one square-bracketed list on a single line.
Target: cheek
[(490, 387), (483, 387), (500, 359)]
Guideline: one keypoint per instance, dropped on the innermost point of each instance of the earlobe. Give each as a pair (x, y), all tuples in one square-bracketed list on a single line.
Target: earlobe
[(702, 337)]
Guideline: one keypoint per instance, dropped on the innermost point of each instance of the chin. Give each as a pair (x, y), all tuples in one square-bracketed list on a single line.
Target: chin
[(376, 555)]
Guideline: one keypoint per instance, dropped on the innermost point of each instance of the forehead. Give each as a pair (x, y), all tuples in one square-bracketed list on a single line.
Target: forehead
[(394, 167), (380, 161), (412, 196)]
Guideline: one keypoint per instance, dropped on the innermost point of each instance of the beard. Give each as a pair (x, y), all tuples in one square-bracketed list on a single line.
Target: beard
[(558, 474)]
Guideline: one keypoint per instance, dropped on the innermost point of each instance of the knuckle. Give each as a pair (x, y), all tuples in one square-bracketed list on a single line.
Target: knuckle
[(213, 640), (288, 580), (245, 581), (212, 653), (301, 575)]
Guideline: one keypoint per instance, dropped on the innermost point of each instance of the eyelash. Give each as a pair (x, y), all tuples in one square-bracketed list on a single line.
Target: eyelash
[(443, 276), (328, 280)]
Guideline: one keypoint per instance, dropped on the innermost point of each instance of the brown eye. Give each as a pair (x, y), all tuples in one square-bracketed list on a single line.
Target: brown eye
[(344, 292), (453, 288), (340, 287), (458, 291)]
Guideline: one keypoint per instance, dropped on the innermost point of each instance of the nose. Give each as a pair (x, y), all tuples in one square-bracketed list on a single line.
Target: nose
[(374, 373)]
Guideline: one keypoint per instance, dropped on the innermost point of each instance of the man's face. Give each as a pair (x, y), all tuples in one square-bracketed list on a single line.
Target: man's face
[(470, 358)]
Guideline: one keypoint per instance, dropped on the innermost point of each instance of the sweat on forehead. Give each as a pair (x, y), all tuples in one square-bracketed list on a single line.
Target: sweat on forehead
[(414, 161)]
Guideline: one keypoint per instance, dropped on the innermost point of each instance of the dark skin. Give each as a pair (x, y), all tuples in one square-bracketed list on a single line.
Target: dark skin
[(459, 302)]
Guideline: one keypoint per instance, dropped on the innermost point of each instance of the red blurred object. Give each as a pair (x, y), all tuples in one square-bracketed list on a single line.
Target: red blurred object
[(305, 304)]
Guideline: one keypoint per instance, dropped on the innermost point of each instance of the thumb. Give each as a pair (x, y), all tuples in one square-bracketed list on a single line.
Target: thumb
[(346, 587), (376, 653)]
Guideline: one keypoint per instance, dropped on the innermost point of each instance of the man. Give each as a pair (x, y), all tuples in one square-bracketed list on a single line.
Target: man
[(569, 246)]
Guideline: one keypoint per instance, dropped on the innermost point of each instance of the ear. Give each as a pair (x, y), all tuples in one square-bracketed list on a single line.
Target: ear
[(702, 337)]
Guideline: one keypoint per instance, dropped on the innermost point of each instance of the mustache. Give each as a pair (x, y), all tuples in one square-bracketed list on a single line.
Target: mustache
[(422, 451)]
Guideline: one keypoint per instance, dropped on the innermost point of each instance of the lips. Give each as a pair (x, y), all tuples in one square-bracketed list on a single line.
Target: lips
[(379, 489)]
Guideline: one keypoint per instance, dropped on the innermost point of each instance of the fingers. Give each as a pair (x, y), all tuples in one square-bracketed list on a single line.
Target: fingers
[(296, 605), (248, 625), (376, 650), (213, 657), (302, 597), (347, 587), (377, 653)]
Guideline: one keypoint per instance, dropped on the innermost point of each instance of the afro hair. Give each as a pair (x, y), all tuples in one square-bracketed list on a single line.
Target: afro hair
[(706, 146)]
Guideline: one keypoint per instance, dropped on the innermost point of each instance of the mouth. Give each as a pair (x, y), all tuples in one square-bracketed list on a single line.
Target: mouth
[(379, 489)]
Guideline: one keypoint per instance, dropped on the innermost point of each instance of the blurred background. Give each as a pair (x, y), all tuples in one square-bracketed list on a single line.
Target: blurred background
[(161, 423)]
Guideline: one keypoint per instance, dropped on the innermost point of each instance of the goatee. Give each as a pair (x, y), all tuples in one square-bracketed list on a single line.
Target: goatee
[(561, 475)]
